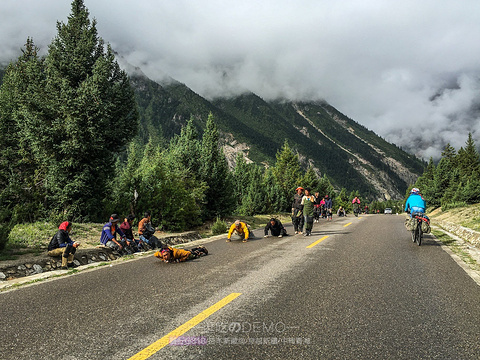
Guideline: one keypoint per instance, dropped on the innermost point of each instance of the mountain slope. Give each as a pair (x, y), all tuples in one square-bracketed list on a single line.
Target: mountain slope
[(351, 155)]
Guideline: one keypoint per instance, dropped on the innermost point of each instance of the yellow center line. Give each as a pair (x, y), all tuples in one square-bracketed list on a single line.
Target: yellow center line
[(182, 329), (317, 242), (347, 224)]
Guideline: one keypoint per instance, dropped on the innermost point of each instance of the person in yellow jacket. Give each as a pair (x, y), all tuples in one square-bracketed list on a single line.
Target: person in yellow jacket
[(241, 229), (172, 255)]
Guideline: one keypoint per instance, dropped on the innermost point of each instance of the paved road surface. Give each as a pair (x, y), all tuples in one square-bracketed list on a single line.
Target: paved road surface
[(364, 292)]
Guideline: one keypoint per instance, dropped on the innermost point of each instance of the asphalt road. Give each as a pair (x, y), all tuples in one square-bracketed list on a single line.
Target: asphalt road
[(364, 292)]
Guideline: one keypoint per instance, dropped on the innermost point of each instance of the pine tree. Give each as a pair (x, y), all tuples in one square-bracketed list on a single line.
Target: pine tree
[(21, 103), (241, 180), (123, 192), (185, 150), (274, 200), (468, 159), (326, 187), (311, 180), (166, 192), (287, 171), (219, 200), (342, 199), (449, 154), (426, 182), (89, 116)]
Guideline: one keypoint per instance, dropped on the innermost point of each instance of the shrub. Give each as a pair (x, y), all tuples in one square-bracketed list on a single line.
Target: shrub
[(453, 205), (219, 227)]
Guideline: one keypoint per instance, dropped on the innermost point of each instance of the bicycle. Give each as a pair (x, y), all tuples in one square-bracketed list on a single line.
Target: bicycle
[(417, 233), (356, 210)]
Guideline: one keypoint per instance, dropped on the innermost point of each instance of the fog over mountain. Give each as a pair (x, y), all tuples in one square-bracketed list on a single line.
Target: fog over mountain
[(408, 70)]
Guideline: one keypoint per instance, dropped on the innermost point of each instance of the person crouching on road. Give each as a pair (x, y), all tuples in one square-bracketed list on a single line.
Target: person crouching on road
[(173, 255), (341, 211), (275, 227), (241, 229), (109, 235), (62, 245)]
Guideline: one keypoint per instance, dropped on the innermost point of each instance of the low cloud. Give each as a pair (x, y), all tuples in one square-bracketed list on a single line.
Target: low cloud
[(407, 70)]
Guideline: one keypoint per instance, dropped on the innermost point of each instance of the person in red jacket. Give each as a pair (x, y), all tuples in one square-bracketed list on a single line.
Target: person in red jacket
[(62, 245)]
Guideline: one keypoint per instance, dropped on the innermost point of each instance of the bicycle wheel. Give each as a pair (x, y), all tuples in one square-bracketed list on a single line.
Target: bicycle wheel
[(413, 235), (420, 233)]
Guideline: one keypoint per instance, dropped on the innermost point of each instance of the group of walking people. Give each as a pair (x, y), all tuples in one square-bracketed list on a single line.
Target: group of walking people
[(307, 209)]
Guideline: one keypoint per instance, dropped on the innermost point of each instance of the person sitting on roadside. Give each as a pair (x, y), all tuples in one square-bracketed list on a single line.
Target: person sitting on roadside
[(173, 255), (146, 231), (341, 211), (109, 235), (415, 203), (126, 227), (276, 228), (241, 229), (62, 245)]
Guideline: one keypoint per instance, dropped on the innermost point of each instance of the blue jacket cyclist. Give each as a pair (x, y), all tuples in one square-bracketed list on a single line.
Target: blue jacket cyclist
[(415, 202)]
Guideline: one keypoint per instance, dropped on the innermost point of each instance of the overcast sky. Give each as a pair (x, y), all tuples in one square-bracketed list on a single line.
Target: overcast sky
[(408, 70)]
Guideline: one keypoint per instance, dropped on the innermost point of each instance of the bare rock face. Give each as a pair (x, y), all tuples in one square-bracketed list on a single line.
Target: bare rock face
[(232, 147)]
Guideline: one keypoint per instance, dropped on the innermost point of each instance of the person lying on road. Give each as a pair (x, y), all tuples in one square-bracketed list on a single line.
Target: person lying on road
[(173, 255)]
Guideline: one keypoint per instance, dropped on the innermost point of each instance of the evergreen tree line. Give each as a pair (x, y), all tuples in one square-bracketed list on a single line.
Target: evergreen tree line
[(455, 180), (188, 181)]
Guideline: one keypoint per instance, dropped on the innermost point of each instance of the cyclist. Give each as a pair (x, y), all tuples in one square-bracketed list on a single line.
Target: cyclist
[(415, 203), (356, 205)]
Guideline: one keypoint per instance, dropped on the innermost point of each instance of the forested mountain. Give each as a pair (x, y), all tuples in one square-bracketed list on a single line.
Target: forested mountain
[(334, 145)]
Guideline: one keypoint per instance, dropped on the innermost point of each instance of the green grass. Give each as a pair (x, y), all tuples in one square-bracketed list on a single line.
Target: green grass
[(472, 223), (35, 237), (456, 249)]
